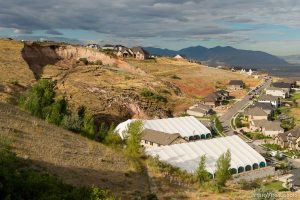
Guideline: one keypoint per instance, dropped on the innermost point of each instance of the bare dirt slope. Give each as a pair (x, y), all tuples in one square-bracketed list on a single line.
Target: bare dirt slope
[(194, 80), (75, 159), (109, 87)]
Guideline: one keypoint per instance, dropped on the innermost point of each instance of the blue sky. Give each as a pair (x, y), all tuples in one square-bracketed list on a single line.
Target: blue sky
[(267, 25)]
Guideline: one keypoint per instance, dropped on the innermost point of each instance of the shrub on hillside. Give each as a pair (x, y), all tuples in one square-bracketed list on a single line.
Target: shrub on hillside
[(72, 122), (56, 112), (89, 127), (84, 61), (39, 97), (151, 95)]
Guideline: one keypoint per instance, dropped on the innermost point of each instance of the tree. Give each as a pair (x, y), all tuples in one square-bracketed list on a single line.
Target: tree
[(56, 112), (89, 128), (112, 138), (37, 98), (223, 168), (102, 132), (72, 122), (201, 173), (133, 139)]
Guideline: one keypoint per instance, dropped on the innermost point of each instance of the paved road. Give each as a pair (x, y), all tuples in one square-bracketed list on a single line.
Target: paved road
[(226, 118)]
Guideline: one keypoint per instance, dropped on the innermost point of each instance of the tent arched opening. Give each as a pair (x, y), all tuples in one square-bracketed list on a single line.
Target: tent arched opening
[(248, 168), (255, 166), (241, 169)]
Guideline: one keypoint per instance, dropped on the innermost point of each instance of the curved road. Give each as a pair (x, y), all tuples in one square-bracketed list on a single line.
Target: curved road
[(226, 118)]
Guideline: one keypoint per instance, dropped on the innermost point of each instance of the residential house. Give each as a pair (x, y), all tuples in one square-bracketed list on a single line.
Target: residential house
[(268, 128), (282, 85), (278, 92), (256, 113), (289, 139), (139, 53), (224, 95), (236, 85), (267, 107), (266, 98), (216, 98), (108, 47), (124, 52), (152, 138), (93, 46), (199, 110)]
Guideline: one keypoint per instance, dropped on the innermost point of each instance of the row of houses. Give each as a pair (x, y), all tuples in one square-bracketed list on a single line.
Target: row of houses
[(281, 89), (259, 115), (218, 98), (121, 51)]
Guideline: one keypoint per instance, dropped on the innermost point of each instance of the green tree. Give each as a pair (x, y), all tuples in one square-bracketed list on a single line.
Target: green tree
[(72, 122), (112, 138), (102, 132), (56, 112), (201, 173), (89, 127), (223, 168), (133, 139), (37, 98), (81, 111)]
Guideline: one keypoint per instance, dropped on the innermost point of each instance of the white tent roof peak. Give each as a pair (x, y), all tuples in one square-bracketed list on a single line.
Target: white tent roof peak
[(185, 126)]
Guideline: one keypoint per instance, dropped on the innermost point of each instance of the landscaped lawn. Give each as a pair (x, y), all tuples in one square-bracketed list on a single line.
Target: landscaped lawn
[(256, 135), (275, 185), (295, 96), (273, 146)]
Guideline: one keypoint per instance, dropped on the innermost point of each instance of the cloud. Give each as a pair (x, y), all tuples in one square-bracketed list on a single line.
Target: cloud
[(53, 32), (22, 31), (138, 19)]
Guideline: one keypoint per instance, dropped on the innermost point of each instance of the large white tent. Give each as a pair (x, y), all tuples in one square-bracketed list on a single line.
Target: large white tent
[(187, 155), (188, 127)]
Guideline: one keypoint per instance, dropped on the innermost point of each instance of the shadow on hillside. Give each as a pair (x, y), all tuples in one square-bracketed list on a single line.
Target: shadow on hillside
[(37, 56), (126, 185), (111, 119)]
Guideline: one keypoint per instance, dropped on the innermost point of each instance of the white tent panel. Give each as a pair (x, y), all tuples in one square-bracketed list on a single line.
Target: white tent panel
[(185, 126), (187, 156)]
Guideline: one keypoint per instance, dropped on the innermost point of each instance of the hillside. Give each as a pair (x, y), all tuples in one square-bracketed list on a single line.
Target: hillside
[(194, 81), (223, 56), (73, 158), (112, 89)]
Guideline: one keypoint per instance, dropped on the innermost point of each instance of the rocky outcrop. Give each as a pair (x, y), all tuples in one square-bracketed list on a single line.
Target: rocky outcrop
[(38, 56)]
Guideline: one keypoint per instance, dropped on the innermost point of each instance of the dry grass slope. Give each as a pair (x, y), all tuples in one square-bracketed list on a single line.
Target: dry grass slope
[(75, 159)]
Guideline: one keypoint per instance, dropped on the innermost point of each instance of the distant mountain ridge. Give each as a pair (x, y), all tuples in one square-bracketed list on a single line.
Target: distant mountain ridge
[(224, 56), (294, 59)]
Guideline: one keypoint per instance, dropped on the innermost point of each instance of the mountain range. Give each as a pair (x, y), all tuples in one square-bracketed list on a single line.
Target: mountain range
[(224, 56), (294, 59)]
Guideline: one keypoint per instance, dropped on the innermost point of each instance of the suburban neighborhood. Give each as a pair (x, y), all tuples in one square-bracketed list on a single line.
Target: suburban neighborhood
[(253, 129)]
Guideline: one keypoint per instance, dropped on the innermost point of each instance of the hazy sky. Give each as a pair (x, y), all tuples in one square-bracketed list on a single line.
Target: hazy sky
[(268, 25)]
